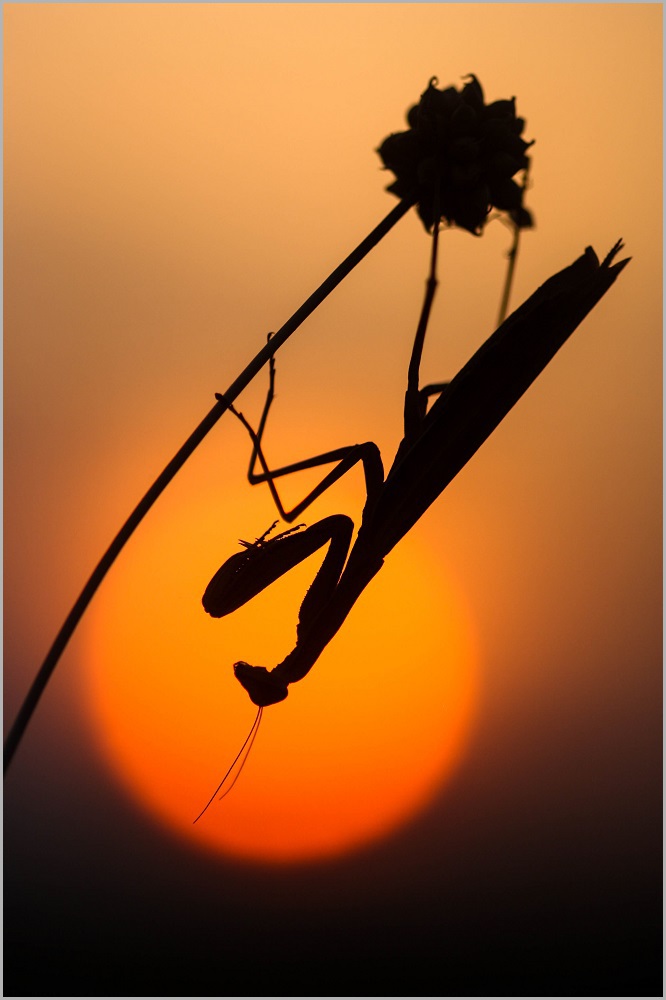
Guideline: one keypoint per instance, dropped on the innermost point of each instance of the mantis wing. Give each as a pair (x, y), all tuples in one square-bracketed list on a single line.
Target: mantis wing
[(484, 390)]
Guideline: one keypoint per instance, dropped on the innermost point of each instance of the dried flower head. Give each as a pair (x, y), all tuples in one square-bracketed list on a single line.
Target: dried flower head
[(459, 157)]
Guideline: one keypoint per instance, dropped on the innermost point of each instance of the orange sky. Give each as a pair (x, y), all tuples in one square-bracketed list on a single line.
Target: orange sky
[(179, 177)]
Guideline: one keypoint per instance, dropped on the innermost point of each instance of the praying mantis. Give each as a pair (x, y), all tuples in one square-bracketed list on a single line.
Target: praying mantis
[(456, 162), (438, 441)]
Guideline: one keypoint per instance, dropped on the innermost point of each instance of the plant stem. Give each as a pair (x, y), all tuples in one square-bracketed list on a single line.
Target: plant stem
[(223, 401), (508, 281), (512, 255)]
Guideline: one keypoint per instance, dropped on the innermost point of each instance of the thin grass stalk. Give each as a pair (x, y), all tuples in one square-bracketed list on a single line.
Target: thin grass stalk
[(194, 440)]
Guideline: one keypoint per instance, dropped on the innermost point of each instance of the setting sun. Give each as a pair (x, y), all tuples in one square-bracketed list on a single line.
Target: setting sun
[(360, 745), (462, 796)]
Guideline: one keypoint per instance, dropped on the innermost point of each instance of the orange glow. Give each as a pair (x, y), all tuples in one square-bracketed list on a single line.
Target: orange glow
[(360, 745), (178, 178)]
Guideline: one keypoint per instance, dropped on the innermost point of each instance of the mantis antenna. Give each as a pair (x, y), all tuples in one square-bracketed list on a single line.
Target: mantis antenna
[(242, 753)]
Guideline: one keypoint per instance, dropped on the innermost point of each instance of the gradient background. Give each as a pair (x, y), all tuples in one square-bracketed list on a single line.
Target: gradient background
[(178, 178)]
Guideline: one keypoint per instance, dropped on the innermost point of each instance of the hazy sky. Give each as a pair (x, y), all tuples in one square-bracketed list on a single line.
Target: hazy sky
[(178, 178)]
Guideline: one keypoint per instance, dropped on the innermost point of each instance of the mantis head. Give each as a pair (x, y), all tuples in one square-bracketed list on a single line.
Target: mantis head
[(263, 687)]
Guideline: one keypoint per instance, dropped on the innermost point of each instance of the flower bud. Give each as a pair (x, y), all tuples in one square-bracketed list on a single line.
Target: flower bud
[(460, 154)]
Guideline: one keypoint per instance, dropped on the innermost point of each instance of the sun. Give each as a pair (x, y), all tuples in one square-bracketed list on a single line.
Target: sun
[(358, 748)]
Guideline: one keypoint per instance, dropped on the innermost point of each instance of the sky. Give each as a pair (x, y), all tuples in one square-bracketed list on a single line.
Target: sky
[(178, 179)]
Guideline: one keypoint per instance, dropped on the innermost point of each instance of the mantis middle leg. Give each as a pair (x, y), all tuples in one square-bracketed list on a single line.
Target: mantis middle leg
[(346, 457)]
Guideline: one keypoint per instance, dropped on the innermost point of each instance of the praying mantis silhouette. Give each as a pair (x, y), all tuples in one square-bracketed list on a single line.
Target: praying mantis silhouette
[(438, 441), (456, 162)]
